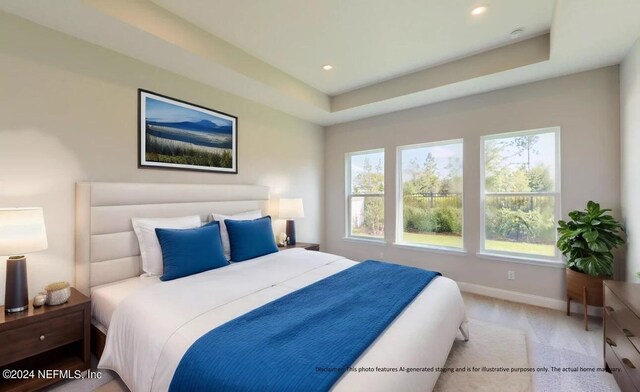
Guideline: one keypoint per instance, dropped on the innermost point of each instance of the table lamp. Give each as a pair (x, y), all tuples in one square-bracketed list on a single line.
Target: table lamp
[(291, 209), (21, 231)]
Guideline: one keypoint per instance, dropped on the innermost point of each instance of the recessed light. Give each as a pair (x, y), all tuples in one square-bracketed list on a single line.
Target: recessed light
[(327, 67), (479, 10), (517, 33)]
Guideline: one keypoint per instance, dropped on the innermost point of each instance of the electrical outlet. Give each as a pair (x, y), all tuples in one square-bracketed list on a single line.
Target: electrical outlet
[(511, 275), (381, 255)]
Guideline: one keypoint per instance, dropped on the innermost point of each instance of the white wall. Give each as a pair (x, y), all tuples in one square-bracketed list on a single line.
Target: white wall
[(585, 106), (68, 113), (630, 142)]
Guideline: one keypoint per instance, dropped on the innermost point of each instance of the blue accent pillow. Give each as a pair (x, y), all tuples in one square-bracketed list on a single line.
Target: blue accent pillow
[(190, 251), (250, 238)]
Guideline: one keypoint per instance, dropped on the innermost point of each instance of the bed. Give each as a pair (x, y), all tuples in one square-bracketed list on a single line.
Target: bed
[(149, 325)]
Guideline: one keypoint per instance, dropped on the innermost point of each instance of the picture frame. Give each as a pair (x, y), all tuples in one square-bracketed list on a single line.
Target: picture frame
[(175, 134)]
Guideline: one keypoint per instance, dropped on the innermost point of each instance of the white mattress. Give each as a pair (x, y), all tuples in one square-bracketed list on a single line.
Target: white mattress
[(106, 298), (153, 326)]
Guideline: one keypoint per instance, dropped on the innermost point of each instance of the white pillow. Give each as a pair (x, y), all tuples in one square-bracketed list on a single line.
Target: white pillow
[(247, 215), (150, 251)]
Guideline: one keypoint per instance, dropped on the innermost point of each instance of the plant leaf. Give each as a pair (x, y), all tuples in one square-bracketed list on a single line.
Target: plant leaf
[(586, 240)]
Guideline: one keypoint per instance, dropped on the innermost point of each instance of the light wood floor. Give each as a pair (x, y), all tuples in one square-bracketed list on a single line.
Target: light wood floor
[(553, 339)]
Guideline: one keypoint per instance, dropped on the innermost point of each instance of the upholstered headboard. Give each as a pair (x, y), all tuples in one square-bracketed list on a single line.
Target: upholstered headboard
[(106, 246)]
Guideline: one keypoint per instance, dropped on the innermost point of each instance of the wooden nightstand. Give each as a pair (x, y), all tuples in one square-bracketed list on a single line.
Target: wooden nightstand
[(304, 245), (45, 338), (621, 330)]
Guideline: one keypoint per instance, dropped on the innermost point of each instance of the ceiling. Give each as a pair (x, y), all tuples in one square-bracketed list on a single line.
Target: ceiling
[(366, 41), (387, 56)]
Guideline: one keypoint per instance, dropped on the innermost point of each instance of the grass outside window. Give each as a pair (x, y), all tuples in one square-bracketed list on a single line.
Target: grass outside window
[(454, 241)]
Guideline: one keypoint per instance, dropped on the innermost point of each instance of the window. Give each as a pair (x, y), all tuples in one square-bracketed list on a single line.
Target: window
[(365, 194), (521, 193), (430, 206)]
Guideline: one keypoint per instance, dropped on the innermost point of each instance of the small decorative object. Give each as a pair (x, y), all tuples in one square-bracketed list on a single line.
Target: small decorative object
[(39, 299), (22, 231), (291, 209), (180, 135), (586, 240), (283, 239), (58, 293)]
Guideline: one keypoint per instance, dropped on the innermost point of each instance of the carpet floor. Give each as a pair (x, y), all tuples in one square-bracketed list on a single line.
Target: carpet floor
[(478, 364), (553, 339)]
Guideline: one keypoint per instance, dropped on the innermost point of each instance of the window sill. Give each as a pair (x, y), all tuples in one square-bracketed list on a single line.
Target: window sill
[(523, 260), (365, 241), (431, 249)]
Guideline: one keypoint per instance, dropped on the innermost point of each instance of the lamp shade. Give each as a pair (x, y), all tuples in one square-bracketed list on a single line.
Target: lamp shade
[(22, 231), (291, 209)]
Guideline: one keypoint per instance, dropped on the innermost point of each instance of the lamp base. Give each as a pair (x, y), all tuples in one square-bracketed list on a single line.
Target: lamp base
[(291, 231), (16, 294), (16, 310)]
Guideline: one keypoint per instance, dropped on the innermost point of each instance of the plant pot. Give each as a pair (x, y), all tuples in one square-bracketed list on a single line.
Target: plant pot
[(586, 289)]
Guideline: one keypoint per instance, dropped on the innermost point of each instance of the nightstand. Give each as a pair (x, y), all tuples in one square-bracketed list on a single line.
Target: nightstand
[(304, 245), (45, 338)]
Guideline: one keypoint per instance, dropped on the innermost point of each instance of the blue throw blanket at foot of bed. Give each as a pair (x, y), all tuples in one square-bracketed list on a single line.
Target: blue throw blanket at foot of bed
[(287, 344)]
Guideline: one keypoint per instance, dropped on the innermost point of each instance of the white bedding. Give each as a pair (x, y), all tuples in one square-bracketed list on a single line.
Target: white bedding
[(153, 326), (106, 298)]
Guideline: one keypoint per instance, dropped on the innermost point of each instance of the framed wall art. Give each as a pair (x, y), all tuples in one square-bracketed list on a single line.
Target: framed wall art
[(179, 135)]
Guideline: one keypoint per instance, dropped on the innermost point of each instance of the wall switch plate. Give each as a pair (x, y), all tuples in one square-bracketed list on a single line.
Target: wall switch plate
[(511, 275)]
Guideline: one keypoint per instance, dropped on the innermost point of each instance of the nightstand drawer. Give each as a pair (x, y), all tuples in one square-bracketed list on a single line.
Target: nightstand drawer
[(623, 316), (623, 348), (617, 369), (40, 336)]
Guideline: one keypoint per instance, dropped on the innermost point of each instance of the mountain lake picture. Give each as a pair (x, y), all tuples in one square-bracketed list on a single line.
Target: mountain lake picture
[(176, 134)]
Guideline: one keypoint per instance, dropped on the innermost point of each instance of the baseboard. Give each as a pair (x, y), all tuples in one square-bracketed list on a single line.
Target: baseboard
[(529, 299)]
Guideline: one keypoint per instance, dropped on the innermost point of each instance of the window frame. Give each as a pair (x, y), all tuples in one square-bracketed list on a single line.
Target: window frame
[(400, 196), (556, 194), (349, 195)]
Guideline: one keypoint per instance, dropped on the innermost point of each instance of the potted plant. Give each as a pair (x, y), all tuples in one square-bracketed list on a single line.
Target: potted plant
[(586, 241)]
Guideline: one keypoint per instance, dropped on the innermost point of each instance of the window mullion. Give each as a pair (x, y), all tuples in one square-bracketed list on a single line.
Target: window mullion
[(522, 193)]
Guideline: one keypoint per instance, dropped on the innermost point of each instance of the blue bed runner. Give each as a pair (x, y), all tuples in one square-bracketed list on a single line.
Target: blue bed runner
[(288, 344)]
